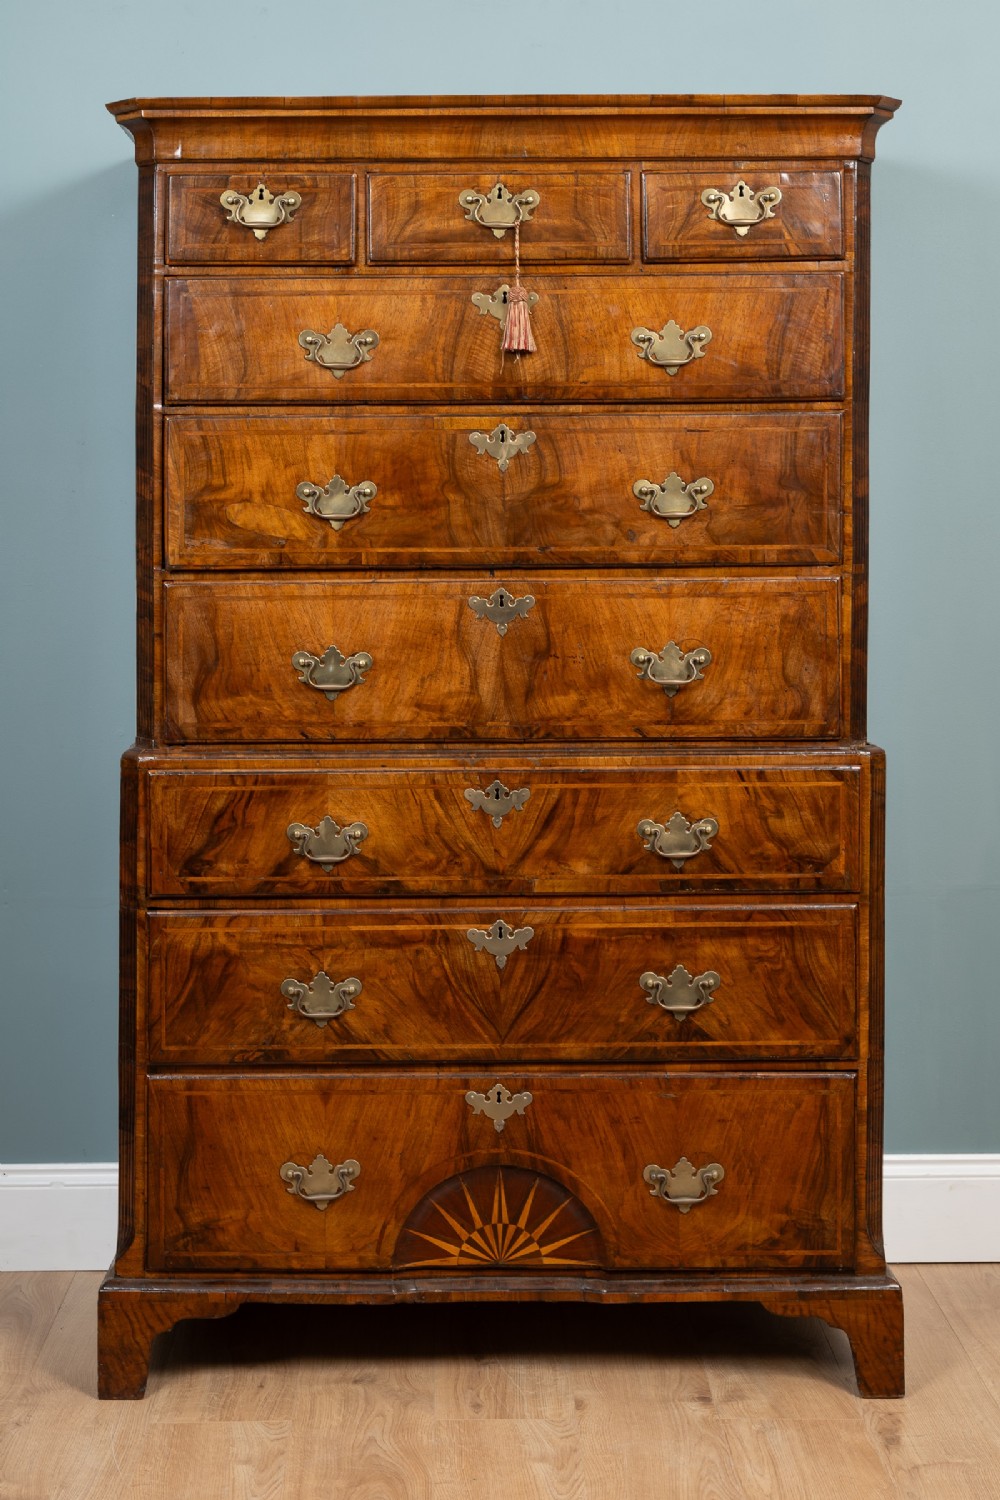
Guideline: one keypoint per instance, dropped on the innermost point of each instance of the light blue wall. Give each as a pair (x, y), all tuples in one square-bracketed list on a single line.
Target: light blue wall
[(67, 197)]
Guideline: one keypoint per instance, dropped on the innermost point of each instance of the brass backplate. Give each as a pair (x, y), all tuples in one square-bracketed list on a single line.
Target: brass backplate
[(496, 800), (501, 607), (336, 502), (498, 1104), (671, 348), (333, 672), (499, 210), (678, 839), (327, 844), (500, 940), (683, 1185), (673, 499), (339, 350), (741, 207), (260, 210), (321, 1183), (681, 992), (671, 669), (502, 443), (321, 1000)]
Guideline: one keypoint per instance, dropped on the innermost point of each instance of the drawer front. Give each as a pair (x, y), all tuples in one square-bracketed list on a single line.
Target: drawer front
[(442, 667), (218, 1199), (224, 833), (806, 221), (201, 229), (640, 984), (442, 500), (773, 336), (415, 218)]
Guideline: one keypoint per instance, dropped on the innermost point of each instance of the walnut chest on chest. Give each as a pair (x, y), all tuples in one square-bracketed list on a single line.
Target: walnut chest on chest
[(502, 850)]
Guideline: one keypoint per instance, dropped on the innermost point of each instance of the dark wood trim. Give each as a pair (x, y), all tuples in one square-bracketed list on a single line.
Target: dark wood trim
[(868, 1309)]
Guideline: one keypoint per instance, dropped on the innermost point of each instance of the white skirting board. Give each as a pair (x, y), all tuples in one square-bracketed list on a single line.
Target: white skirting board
[(62, 1216)]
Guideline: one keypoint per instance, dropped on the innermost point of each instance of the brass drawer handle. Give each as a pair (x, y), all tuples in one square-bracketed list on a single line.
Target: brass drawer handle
[(498, 1104), (681, 992), (327, 844), (498, 209), (339, 350), (673, 499), (333, 672), (500, 940), (496, 800), (683, 1185), (337, 502), (502, 443), (260, 211), (677, 839), (671, 669), (321, 1183), (321, 1000), (671, 347), (501, 607), (741, 207)]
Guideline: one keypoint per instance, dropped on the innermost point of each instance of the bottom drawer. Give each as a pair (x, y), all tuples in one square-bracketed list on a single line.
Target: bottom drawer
[(588, 1172)]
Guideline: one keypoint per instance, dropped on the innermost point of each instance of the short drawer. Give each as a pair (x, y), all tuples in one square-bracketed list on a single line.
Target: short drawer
[(448, 832), (533, 488), (511, 658), (415, 218), (743, 219), (256, 230), (520, 984), (773, 336), (580, 1175)]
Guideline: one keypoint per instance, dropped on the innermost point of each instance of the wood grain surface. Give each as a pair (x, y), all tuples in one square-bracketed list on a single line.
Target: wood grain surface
[(785, 827), (414, 217), (776, 336), (789, 980), (481, 127), (217, 1200), (230, 489), (808, 221), (199, 229), (562, 672)]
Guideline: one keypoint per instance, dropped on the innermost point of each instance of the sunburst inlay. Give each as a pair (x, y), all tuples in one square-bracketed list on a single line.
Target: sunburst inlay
[(495, 1217)]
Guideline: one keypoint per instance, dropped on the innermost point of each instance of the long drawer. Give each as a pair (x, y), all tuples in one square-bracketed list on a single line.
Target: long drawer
[(447, 831), (774, 336), (515, 984), (485, 658), (533, 488), (563, 1185)]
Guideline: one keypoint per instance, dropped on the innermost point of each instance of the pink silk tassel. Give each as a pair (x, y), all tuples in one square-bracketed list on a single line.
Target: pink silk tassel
[(517, 335)]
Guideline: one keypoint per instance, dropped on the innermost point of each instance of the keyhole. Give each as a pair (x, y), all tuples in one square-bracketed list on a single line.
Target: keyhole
[(260, 195)]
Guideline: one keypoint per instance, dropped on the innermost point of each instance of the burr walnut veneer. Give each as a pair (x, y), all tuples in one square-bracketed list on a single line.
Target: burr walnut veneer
[(502, 851)]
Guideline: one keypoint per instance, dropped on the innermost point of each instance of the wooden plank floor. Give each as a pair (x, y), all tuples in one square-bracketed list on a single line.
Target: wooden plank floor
[(544, 1403)]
